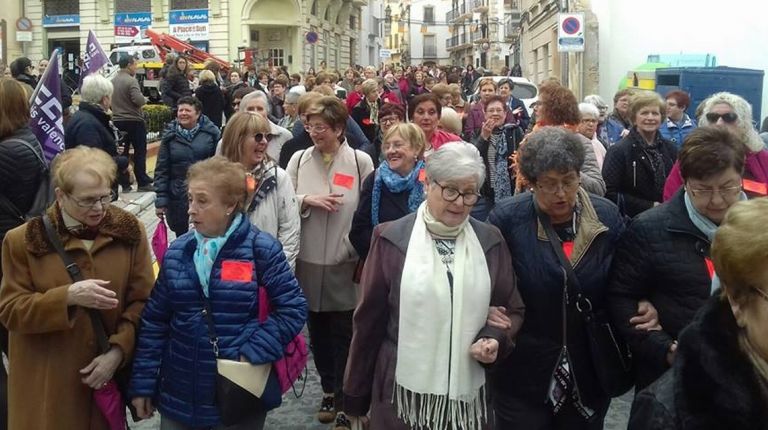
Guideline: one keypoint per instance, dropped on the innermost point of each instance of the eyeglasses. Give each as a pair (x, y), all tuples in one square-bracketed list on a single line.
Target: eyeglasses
[(92, 202), (728, 193), (567, 187), (263, 136), (589, 121), (761, 293), (316, 128), (728, 117), (452, 194), (389, 120)]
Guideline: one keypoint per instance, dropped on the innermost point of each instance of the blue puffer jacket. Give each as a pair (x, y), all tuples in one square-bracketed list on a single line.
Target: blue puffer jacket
[(174, 362)]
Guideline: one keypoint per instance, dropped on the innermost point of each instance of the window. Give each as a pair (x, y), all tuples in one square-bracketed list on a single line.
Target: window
[(314, 8), (429, 15), (277, 57), (62, 7), (189, 4), (352, 23), (127, 6), (430, 46)]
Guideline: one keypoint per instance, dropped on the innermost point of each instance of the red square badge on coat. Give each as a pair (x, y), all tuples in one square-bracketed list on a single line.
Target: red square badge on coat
[(238, 271), (342, 180)]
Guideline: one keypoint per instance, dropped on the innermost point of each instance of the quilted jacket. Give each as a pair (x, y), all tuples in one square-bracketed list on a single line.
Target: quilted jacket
[(661, 258), (20, 176), (174, 362)]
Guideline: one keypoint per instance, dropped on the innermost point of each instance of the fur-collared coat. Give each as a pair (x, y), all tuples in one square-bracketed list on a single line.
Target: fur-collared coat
[(49, 341), (712, 384)]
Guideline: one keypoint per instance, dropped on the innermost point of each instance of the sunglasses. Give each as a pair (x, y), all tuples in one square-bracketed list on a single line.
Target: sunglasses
[(263, 136), (729, 117)]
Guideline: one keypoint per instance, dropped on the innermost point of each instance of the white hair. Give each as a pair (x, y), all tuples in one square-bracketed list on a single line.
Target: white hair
[(255, 95), (596, 100), (95, 88), (746, 128), (456, 160), (589, 109)]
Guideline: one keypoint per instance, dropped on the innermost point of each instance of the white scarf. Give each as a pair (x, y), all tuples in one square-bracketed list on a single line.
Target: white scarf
[(433, 342)]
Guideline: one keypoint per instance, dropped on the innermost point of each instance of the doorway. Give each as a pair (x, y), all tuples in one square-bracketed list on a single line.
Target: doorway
[(70, 59)]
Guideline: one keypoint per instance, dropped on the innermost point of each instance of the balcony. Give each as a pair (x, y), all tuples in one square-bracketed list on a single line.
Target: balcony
[(430, 52), (479, 6), (512, 4), (451, 42), (459, 41), (511, 29), (463, 12), (451, 15)]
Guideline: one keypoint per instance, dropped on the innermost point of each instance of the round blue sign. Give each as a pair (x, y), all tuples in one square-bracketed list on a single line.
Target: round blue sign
[(312, 37), (571, 25)]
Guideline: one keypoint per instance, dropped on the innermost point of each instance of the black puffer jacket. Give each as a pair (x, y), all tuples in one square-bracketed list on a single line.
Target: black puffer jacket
[(174, 86), (90, 126), (712, 385), (213, 100), (628, 174), (176, 155), (661, 258), (20, 176), (513, 135)]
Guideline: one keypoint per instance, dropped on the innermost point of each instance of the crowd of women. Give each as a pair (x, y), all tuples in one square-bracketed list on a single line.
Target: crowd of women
[(448, 279)]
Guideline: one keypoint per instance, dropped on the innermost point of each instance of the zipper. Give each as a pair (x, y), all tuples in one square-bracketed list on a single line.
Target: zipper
[(634, 174)]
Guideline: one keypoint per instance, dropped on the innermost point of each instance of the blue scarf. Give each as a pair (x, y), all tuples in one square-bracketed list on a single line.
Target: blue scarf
[(208, 249), (188, 134), (397, 184), (706, 226)]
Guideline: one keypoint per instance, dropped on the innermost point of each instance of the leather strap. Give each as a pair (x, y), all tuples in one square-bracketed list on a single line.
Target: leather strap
[(74, 272)]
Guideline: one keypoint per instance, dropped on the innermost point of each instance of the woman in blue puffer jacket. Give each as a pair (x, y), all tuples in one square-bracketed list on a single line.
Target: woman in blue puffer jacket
[(226, 259)]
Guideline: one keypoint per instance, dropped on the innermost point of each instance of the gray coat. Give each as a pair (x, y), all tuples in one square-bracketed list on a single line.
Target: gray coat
[(127, 98)]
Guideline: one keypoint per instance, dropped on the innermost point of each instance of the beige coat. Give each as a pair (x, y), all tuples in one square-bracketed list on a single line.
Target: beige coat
[(50, 341), (326, 261)]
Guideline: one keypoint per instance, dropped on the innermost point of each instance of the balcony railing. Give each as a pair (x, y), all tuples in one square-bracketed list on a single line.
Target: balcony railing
[(479, 4), (451, 15), (430, 52)]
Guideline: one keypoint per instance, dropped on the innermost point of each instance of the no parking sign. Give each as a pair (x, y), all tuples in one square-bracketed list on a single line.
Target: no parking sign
[(570, 32)]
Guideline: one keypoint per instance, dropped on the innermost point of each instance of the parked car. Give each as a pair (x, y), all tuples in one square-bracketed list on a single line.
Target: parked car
[(524, 89)]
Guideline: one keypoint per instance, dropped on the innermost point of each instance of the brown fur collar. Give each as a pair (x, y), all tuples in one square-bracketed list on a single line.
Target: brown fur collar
[(118, 224)]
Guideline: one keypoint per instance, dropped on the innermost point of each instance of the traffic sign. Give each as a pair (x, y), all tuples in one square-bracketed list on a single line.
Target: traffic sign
[(385, 53), (127, 31), (312, 37), (23, 24), (570, 31)]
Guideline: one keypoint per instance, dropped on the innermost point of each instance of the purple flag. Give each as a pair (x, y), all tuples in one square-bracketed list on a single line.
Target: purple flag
[(45, 110), (94, 58)]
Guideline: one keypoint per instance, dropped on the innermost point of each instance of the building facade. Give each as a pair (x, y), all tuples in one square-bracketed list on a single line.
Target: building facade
[(298, 34), (483, 33), (416, 31), (371, 34)]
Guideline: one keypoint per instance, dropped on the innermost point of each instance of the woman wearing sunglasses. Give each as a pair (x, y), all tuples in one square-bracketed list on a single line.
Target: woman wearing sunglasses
[(271, 205), (664, 255), (733, 112)]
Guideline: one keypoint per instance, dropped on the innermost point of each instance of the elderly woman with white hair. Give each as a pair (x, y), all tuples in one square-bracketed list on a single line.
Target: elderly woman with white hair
[(421, 335), (258, 102), (602, 108), (588, 123), (733, 112), (92, 126)]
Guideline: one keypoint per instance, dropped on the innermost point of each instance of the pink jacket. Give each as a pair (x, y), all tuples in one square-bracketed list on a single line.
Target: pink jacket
[(440, 137), (756, 165)]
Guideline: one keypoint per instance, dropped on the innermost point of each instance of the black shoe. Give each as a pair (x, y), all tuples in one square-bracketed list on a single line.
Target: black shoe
[(342, 422), (127, 188), (327, 411), (148, 188)]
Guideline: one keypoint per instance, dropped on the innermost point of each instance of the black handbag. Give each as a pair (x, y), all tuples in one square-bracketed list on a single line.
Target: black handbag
[(611, 357), (122, 376), (234, 402)]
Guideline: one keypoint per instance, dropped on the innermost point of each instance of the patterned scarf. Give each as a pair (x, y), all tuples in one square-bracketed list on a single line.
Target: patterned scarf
[(502, 186), (208, 249), (374, 108), (188, 134), (396, 184)]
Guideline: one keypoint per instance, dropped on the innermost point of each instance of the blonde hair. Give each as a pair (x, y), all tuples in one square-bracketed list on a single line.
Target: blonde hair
[(450, 121), (322, 90), (331, 111), (92, 161), (227, 178), (487, 81), (241, 126), (206, 76), (369, 86), (642, 99), (411, 133), (739, 250), (306, 100), (441, 90)]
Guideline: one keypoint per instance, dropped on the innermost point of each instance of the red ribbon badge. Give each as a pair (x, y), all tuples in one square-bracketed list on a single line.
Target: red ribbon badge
[(755, 187), (342, 180), (238, 271), (568, 249), (710, 267)]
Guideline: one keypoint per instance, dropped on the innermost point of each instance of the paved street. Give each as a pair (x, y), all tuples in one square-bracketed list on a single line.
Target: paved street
[(299, 414)]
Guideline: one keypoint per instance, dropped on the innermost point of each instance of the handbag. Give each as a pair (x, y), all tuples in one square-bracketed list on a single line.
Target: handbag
[(111, 398), (242, 389), (611, 357), (160, 240), (293, 365)]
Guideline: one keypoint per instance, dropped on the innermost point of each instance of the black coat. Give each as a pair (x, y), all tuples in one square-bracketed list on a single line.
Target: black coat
[(526, 373), (91, 126), (175, 85), (20, 176), (628, 175), (297, 143), (513, 136), (175, 156), (213, 102), (712, 384), (361, 113), (392, 206), (661, 258)]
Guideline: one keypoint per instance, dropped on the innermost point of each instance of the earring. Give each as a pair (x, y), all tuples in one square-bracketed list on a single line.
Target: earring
[(229, 213)]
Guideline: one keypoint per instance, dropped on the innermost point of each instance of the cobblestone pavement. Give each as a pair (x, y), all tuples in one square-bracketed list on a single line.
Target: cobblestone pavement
[(299, 413)]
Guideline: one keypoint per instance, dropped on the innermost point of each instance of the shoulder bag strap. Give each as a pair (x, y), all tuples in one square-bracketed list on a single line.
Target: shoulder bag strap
[(212, 337), (74, 272), (359, 176), (31, 148)]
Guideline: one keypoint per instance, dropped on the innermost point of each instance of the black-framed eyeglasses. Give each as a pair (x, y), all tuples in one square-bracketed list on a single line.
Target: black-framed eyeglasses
[(263, 136), (451, 194), (728, 117), (93, 201), (728, 193)]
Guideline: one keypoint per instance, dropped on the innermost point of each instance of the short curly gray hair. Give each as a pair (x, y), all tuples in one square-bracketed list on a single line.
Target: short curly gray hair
[(742, 108), (456, 160), (95, 88), (551, 148)]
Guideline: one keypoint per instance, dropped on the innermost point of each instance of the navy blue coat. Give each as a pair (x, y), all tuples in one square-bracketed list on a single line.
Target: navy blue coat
[(526, 372), (174, 362)]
